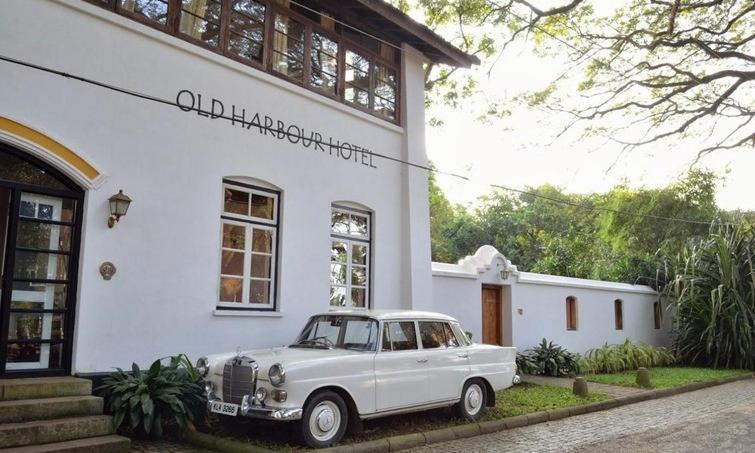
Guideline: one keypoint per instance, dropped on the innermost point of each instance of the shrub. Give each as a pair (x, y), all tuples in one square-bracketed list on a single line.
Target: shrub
[(150, 400), (711, 289), (612, 358), (548, 358)]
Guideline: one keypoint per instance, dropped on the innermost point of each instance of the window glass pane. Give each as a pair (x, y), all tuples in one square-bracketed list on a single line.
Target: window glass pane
[(259, 292), (14, 169), (200, 19), (338, 296), (339, 222), (261, 265), (358, 297), (337, 274), (46, 208), (43, 266), (234, 236), (152, 10), (38, 296), (236, 202), (262, 206), (432, 335), (324, 63), (386, 338), (358, 276), (338, 252), (230, 289), (288, 47), (35, 326), (360, 334), (385, 91), (450, 337), (247, 29), (403, 336), (357, 79), (232, 263), (43, 236), (262, 241), (358, 225), (359, 254)]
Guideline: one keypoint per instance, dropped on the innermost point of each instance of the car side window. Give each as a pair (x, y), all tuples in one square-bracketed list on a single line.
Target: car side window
[(451, 339), (432, 335), (399, 336)]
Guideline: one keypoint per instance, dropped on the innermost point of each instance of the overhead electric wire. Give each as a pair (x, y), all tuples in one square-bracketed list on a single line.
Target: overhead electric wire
[(148, 97)]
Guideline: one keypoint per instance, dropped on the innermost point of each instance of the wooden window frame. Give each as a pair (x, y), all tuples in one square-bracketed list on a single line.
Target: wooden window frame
[(571, 313), (172, 26), (351, 240), (618, 314)]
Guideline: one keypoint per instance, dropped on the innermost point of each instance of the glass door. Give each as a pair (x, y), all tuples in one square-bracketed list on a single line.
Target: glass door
[(39, 230)]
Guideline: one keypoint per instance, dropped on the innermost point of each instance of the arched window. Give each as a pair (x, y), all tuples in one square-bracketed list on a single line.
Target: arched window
[(618, 311), (350, 251), (249, 248), (571, 313)]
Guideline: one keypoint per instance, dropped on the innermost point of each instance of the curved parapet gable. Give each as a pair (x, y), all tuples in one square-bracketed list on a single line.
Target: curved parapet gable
[(51, 151), (484, 259)]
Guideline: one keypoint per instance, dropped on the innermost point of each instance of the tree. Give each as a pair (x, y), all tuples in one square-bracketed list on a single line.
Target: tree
[(670, 68)]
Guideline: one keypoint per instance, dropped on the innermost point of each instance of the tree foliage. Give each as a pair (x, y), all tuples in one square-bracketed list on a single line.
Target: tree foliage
[(673, 67), (598, 236)]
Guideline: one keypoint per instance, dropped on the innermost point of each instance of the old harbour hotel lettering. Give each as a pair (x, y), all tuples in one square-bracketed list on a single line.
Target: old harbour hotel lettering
[(189, 101)]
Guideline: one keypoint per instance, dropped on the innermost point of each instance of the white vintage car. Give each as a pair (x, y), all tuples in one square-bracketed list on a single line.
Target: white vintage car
[(347, 366)]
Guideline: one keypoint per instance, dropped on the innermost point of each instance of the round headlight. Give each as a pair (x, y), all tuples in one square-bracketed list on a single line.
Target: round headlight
[(202, 367), (260, 395), (277, 375)]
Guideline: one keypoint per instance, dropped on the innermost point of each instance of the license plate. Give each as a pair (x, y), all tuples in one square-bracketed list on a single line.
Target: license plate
[(224, 408)]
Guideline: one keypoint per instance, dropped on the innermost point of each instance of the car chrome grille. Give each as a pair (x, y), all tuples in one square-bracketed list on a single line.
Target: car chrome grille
[(239, 379)]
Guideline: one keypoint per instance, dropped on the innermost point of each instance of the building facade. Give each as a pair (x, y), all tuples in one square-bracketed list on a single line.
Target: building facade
[(260, 142)]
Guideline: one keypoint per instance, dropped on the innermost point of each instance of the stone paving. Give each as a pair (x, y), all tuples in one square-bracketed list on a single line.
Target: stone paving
[(607, 427), (613, 390), (141, 446)]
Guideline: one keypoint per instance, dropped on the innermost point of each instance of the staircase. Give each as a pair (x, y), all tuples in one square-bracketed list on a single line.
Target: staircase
[(56, 414)]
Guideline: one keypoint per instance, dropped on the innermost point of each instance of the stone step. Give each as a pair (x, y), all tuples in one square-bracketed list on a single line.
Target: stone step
[(48, 387), (102, 444), (49, 431), (15, 411)]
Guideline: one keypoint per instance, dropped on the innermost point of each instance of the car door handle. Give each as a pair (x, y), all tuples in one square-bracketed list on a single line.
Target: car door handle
[(463, 356), (421, 360)]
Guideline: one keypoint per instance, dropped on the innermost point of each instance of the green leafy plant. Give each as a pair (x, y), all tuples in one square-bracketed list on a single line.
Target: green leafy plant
[(548, 358), (613, 358), (711, 290), (147, 401)]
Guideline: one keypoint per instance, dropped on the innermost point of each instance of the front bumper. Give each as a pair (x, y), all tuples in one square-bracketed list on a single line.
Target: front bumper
[(263, 412)]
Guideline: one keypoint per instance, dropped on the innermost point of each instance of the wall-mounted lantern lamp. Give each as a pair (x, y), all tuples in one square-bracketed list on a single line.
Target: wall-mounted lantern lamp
[(119, 204), (504, 271)]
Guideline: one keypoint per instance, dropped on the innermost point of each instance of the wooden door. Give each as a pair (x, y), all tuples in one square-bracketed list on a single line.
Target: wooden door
[(491, 315)]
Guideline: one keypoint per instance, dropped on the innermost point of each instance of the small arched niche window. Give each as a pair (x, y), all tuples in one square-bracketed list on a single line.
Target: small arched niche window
[(618, 311), (350, 255), (249, 248), (571, 313)]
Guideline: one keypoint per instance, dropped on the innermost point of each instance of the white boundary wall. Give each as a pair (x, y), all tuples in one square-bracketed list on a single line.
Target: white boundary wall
[(534, 305)]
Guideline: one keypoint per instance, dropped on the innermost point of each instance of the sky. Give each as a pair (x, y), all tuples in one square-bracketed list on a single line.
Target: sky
[(518, 151)]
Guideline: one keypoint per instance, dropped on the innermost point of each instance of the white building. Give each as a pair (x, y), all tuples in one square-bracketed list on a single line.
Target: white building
[(268, 187)]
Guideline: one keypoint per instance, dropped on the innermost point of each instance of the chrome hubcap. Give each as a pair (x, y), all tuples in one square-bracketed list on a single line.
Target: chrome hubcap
[(325, 421), (473, 399)]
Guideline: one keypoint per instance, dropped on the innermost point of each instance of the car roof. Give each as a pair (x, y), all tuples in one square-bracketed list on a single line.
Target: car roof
[(389, 314)]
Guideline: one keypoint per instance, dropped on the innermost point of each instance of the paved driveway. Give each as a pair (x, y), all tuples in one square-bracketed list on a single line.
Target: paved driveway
[(719, 418)]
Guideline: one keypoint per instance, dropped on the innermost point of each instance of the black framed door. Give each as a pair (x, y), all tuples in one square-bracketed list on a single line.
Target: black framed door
[(40, 231)]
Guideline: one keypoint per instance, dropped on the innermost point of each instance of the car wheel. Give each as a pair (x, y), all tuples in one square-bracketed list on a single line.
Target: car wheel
[(324, 420), (473, 400)]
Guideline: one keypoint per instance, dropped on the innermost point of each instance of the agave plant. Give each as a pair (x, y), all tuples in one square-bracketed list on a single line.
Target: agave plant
[(150, 399), (711, 290), (548, 358)]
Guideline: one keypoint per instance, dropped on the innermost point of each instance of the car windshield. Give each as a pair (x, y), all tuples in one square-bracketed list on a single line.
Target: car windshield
[(333, 331)]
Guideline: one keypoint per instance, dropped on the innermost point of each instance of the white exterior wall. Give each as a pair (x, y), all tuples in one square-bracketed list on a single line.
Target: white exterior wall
[(542, 301), (163, 297)]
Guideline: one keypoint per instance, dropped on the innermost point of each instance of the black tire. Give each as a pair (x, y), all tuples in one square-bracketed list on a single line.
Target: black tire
[(474, 398), (324, 420)]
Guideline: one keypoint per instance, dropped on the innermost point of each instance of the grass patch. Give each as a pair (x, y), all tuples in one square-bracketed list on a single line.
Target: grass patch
[(521, 399), (666, 377)]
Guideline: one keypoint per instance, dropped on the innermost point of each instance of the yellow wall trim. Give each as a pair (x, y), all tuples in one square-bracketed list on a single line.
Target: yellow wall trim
[(45, 142)]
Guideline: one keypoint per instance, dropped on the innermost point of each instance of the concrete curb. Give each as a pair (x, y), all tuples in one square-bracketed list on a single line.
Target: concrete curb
[(406, 441)]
